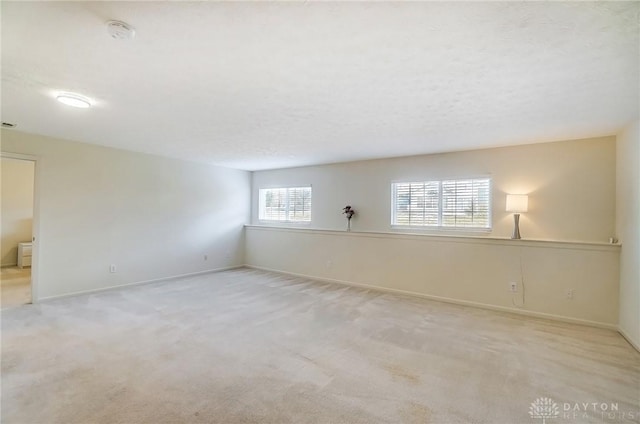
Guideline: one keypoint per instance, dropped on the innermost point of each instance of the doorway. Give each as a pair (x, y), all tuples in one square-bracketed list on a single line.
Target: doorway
[(17, 179)]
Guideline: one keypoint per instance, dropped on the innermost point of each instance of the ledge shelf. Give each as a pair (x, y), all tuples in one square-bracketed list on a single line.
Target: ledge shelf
[(448, 238)]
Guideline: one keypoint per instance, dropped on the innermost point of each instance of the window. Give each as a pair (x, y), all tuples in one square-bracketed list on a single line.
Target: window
[(464, 203), (291, 204)]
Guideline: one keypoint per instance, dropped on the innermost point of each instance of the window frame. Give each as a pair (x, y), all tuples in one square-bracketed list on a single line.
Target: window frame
[(439, 227), (285, 221)]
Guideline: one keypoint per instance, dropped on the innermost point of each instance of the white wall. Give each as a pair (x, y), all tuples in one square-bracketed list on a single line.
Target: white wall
[(628, 229), (571, 187), (460, 269), (17, 207), (152, 217)]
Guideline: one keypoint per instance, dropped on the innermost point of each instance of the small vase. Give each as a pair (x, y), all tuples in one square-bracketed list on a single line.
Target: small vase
[(348, 225)]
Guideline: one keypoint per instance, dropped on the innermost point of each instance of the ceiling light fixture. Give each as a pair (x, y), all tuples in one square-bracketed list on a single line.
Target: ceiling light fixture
[(73, 99)]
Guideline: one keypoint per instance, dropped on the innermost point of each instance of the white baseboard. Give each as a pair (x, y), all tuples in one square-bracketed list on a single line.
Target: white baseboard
[(450, 300), (629, 339), (137, 283)]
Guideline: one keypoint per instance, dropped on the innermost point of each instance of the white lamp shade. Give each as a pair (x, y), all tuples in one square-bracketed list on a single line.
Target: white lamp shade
[(517, 202)]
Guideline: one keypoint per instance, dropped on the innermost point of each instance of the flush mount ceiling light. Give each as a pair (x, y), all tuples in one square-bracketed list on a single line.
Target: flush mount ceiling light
[(73, 99), (120, 30)]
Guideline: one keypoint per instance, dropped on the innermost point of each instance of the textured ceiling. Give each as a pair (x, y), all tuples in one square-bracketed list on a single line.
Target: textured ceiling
[(267, 85)]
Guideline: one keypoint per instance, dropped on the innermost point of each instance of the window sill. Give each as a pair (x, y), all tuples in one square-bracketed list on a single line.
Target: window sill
[(440, 231), (284, 224)]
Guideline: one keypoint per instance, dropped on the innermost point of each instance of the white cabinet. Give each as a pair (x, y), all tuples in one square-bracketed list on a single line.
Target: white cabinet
[(24, 254)]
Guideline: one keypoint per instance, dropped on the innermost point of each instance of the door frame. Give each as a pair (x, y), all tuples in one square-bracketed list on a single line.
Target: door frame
[(35, 230)]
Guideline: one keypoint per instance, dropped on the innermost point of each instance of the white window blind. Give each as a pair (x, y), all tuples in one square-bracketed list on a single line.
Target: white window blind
[(417, 203), (291, 204), (464, 203)]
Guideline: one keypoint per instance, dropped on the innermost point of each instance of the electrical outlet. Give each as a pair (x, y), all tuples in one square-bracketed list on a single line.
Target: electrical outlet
[(513, 287), (570, 293), (112, 268)]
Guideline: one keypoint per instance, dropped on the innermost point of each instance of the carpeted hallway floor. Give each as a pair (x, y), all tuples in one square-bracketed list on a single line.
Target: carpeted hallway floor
[(248, 346), (15, 286)]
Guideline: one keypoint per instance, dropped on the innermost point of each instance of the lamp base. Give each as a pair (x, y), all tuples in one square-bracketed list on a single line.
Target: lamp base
[(516, 227)]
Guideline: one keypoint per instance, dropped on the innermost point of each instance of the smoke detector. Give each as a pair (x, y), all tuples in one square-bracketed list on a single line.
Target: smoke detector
[(119, 30)]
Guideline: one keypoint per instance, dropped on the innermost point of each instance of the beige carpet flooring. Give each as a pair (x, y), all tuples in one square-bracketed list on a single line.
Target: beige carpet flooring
[(247, 346), (15, 286)]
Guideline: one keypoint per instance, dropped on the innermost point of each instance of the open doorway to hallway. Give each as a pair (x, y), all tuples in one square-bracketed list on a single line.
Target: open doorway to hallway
[(17, 181)]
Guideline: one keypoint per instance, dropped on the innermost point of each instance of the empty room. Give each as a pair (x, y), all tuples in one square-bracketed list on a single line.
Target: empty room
[(320, 212)]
